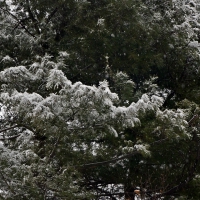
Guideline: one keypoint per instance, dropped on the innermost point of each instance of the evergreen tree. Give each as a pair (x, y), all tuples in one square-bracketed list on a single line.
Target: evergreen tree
[(131, 122)]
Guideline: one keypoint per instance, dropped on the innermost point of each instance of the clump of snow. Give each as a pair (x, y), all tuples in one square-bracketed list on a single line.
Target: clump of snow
[(100, 22), (194, 44), (64, 54)]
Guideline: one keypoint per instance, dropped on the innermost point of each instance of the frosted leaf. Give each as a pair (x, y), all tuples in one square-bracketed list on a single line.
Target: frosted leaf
[(132, 109), (45, 60), (136, 121), (76, 85), (141, 105), (42, 112), (130, 123), (175, 120), (94, 114), (104, 92)]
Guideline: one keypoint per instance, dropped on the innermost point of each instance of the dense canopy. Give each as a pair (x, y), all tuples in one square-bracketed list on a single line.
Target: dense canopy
[(100, 99)]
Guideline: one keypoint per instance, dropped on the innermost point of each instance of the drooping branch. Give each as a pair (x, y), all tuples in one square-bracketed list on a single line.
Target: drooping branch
[(11, 137)]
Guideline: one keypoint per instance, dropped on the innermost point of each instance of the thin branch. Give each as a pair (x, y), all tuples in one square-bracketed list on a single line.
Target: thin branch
[(9, 128), (10, 138), (112, 194), (159, 141), (19, 21), (193, 120), (35, 22), (108, 161), (53, 150), (9, 187), (51, 15), (169, 97), (186, 181), (12, 127)]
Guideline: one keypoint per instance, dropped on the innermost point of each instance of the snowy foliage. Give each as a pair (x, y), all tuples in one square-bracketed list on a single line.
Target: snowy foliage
[(60, 136), (73, 109)]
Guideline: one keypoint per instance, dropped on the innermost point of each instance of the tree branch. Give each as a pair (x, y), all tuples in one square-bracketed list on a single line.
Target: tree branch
[(9, 187), (108, 161), (20, 22), (53, 150), (169, 97), (10, 138), (12, 127), (35, 22), (193, 120), (51, 15), (192, 170), (9, 128)]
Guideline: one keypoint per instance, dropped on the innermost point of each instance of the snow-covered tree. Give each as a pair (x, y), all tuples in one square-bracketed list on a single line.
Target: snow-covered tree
[(98, 98)]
